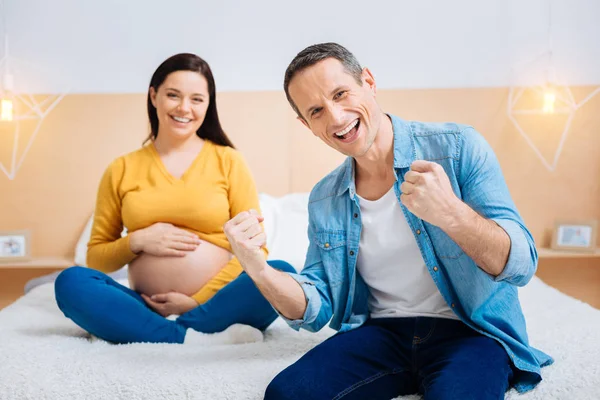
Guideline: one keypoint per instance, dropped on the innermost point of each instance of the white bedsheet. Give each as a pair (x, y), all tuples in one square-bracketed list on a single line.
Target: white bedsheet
[(45, 356)]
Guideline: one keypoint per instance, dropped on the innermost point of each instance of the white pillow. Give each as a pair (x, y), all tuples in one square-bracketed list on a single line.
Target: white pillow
[(81, 248), (286, 225)]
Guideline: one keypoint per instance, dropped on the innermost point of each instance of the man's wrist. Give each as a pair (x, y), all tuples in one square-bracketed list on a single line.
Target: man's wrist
[(261, 273), (458, 217)]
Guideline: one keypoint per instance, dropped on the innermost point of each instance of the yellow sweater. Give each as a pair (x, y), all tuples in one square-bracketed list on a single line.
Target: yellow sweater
[(137, 191)]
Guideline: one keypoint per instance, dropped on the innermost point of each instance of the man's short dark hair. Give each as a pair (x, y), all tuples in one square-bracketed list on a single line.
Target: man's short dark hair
[(319, 52)]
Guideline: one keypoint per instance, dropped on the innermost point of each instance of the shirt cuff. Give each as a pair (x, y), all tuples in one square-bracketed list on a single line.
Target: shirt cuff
[(518, 268), (313, 303)]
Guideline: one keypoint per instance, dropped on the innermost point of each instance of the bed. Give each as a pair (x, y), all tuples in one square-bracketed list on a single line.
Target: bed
[(43, 355)]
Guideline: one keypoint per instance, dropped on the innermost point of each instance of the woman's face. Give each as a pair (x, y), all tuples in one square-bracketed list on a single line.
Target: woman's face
[(181, 103)]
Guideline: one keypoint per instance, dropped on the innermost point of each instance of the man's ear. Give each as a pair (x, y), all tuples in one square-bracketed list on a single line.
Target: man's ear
[(369, 79)]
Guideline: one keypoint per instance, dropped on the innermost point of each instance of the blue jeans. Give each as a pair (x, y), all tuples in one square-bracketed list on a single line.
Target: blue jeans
[(389, 357), (115, 313)]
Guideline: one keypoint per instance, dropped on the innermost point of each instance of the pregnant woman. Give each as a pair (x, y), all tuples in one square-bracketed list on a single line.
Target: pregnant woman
[(173, 195)]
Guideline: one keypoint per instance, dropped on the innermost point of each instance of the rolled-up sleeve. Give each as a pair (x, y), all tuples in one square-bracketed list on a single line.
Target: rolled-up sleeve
[(484, 189), (313, 303), (522, 258)]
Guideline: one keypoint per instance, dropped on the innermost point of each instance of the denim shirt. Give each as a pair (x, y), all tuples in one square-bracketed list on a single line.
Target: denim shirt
[(335, 291)]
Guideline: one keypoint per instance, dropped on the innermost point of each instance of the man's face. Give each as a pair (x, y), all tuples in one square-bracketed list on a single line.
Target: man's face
[(337, 109)]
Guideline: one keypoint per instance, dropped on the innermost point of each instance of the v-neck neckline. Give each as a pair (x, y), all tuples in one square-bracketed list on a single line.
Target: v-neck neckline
[(165, 171)]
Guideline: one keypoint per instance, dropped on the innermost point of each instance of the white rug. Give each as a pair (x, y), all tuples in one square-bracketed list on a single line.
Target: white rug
[(45, 356)]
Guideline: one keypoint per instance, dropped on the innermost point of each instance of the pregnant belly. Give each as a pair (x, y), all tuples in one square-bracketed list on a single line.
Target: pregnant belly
[(150, 274)]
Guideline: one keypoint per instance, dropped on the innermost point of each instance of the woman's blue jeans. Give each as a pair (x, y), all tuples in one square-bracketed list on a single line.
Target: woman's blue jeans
[(117, 314)]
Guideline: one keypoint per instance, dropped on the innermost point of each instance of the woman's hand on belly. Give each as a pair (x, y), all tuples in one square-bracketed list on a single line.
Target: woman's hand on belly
[(150, 274), (162, 239), (170, 303)]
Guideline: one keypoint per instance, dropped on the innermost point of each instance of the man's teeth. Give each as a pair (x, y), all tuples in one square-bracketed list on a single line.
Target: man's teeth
[(348, 129), (179, 119)]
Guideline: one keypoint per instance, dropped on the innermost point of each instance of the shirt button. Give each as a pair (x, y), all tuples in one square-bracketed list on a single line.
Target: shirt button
[(326, 245), (351, 252), (355, 215), (452, 305), (435, 269), (418, 231)]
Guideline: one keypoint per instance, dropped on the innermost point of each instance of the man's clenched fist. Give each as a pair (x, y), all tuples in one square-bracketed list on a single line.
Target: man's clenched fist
[(247, 238)]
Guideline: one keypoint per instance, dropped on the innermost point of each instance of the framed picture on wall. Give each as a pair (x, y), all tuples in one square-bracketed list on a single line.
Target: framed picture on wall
[(14, 245), (575, 235)]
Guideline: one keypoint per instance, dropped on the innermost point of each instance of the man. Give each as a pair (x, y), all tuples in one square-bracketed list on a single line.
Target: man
[(416, 251)]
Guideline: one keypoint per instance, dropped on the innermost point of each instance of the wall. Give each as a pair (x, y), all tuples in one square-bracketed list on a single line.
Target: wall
[(113, 46), (434, 60)]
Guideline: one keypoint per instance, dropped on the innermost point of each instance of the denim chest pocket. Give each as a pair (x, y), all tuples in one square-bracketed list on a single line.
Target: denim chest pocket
[(332, 247), (444, 246)]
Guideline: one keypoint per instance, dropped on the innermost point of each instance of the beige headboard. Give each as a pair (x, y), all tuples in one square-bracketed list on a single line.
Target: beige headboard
[(53, 193)]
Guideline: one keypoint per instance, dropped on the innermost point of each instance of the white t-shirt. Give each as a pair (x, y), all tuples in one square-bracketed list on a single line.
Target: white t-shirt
[(391, 264)]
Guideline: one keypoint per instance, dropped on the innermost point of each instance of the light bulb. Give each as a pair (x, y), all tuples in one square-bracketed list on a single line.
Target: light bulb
[(549, 100), (6, 110), (6, 102)]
